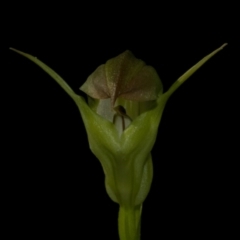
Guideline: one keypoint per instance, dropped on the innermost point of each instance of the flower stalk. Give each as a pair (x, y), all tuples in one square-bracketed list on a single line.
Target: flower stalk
[(129, 223)]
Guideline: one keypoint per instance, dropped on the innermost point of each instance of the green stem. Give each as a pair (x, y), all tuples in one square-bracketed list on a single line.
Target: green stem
[(129, 222)]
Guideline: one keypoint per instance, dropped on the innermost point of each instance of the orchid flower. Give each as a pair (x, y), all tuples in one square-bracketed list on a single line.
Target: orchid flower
[(121, 117)]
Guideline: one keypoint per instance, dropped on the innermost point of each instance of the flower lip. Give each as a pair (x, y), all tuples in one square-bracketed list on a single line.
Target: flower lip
[(121, 111), (121, 118)]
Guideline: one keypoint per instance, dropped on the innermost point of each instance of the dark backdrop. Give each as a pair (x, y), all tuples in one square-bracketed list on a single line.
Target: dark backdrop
[(57, 185)]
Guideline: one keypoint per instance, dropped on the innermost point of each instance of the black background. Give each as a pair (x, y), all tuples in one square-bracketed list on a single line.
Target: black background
[(56, 183)]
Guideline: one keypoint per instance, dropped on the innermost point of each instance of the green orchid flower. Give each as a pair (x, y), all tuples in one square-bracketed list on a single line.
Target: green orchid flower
[(124, 109)]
